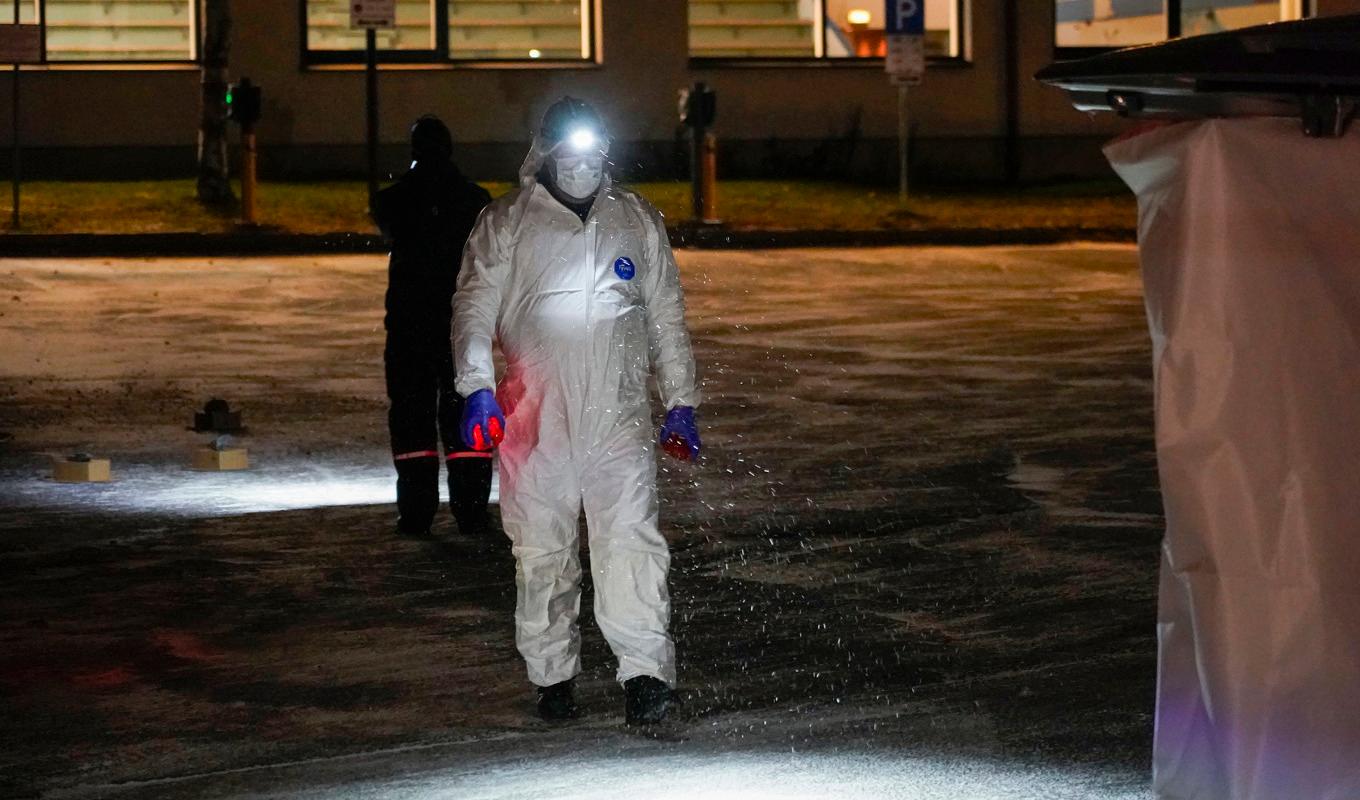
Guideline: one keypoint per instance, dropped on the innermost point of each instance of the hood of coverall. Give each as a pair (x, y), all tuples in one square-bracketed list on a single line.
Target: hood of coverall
[(545, 140)]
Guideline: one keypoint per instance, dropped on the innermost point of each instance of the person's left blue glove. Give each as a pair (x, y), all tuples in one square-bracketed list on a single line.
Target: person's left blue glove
[(679, 434), (483, 423)]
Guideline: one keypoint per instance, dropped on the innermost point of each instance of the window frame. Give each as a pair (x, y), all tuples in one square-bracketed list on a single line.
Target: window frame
[(439, 56), (107, 64), (1172, 11), (963, 59)]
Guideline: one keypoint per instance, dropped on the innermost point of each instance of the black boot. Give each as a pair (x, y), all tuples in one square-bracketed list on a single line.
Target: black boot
[(469, 488), (646, 700), (472, 524), (556, 702), (413, 533)]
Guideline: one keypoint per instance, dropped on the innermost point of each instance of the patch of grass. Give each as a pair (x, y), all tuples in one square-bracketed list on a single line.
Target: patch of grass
[(122, 207), (332, 206), (807, 205)]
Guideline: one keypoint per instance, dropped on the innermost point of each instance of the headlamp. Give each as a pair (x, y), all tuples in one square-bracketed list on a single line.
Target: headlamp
[(582, 140)]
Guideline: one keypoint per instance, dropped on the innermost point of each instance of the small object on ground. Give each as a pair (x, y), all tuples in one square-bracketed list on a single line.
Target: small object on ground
[(218, 455), (217, 417), (211, 458), (81, 468), (557, 703), (646, 700)]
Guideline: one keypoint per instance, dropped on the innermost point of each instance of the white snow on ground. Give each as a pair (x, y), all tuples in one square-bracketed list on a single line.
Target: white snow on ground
[(182, 492), (726, 775), (92, 342), (143, 488), (747, 776)]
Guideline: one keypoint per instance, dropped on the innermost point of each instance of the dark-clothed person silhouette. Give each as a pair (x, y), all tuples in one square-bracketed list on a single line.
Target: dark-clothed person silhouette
[(426, 217)]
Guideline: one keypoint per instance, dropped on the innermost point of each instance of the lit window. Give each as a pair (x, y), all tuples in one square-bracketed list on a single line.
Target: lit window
[(28, 12), (114, 30), (548, 29), (1122, 23), (809, 28), (1211, 16), (459, 30), (328, 27)]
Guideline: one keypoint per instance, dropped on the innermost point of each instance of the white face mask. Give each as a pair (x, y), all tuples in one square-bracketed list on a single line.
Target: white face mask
[(579, 176)]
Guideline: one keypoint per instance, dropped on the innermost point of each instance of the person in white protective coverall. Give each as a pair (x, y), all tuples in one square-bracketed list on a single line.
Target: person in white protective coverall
[(575, 278)]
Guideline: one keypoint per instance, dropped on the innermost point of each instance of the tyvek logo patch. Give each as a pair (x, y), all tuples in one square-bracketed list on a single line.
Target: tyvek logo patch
[(624, 268)]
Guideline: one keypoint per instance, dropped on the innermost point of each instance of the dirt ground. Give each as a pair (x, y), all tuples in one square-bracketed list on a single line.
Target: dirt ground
[(918, 559)]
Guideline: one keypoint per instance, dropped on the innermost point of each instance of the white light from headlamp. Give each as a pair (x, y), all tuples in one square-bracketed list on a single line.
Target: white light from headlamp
[(582, 140)]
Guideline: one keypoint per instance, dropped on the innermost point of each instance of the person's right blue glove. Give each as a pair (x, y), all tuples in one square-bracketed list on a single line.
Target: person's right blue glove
[(483, 423), (680, 435)]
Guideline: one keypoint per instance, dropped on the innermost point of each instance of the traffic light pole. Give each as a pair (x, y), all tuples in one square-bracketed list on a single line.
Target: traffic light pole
[(243, 107), (698, 109), (371, 90)]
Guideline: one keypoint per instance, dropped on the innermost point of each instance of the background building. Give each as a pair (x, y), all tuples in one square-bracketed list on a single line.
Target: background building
[(800, 82)]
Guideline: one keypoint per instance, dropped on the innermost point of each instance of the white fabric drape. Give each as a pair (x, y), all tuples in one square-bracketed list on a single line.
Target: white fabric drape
[(1250, 244)]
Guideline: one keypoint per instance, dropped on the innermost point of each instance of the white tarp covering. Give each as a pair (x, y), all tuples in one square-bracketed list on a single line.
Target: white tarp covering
[(1250, 244)]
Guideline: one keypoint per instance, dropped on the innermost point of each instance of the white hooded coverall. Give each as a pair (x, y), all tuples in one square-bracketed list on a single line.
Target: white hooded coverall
[(581, 310)]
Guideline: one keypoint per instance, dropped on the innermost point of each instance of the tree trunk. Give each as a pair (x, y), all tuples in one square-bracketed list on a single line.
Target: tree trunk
[(214, 184)]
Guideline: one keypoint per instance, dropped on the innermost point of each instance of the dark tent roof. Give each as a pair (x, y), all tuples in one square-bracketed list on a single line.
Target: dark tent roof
[(1281, 69)]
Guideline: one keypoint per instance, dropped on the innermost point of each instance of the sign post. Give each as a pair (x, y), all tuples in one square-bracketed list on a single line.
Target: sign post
[(904, 24), (19, 44), (372, 15)]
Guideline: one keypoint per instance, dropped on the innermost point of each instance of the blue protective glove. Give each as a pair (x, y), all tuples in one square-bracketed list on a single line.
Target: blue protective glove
[(483, 423), (679, 434)]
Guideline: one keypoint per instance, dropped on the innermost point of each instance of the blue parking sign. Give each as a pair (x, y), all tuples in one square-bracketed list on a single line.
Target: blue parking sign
[(905, 16)]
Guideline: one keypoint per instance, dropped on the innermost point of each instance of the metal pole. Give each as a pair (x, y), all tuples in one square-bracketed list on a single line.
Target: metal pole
[(903, 132), (697, 172), (248, 166), (710, 216), (1012, 155), (698, 133), (14, 138), (371, 90)]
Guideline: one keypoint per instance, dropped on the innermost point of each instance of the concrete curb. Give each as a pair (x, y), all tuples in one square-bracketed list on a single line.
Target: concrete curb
[(86, 245), (720, 238)]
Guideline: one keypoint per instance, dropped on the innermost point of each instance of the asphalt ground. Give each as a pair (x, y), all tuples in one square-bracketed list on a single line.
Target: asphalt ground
[(917, 560)]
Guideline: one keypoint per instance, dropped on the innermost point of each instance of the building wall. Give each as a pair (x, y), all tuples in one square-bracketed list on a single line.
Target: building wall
[(821, 119), (1328, 8)]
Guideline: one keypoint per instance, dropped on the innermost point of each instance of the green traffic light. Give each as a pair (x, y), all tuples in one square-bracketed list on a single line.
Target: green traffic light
[(228, 98)]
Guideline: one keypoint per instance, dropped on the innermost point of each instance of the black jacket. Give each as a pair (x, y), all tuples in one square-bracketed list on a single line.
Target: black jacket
[(426, 216)]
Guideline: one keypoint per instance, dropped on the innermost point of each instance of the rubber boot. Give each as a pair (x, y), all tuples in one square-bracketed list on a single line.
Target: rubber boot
[(556, 702), (646, 700)]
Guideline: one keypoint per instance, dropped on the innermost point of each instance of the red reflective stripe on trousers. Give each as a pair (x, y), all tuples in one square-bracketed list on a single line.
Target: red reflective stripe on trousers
[(452, 456), (416, 454)]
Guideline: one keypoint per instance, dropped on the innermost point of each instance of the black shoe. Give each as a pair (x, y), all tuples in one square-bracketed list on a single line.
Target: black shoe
[(646, 700), (556, 703), (475, 525), (413, 533)]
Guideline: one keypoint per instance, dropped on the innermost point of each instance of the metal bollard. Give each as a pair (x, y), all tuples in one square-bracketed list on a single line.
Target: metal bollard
[(710, 180), (248, 175)]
